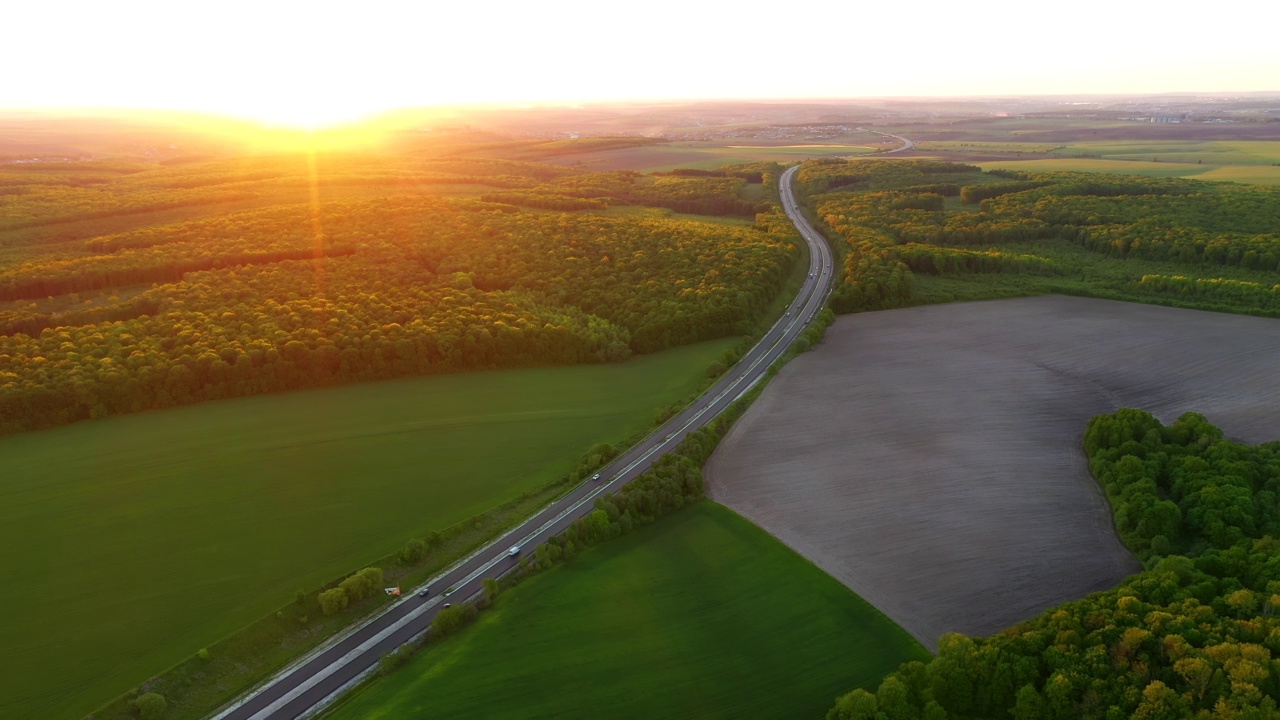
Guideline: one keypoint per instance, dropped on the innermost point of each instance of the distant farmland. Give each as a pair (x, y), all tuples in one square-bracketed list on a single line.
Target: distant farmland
[(702, 615), (1246, 161), (709, 155), (930, 459), (146, 537)]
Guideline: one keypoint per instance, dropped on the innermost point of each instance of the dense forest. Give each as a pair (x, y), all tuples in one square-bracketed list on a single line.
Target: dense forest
[(1195, 635), (369, 273), (1213, 245)]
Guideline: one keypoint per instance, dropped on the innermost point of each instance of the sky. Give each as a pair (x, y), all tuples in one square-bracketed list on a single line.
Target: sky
[(309, 64)]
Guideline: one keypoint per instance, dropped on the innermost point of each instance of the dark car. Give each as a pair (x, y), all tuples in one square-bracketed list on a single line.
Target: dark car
[(424, 592)]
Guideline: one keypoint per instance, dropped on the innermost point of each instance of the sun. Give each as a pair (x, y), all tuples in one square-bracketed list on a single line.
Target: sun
[(301, 114), (282, 124)]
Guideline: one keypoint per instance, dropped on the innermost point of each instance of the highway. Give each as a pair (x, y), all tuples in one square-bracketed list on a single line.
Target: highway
[(906, 144), (312, 682)]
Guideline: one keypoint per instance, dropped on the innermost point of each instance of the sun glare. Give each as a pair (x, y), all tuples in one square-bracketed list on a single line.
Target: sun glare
[(307, 115), (306, 132)]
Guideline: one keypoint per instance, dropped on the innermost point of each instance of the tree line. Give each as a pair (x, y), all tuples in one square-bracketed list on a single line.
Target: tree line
[(1224, 290)]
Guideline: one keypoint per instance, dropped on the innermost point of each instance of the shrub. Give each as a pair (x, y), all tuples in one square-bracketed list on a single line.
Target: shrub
[(362, 584), (333, 601), (151, 706), (392, 660), (449, 620), (413, 552)]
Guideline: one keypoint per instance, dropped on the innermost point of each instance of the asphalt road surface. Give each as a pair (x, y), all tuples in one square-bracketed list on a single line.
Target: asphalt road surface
[(906, 144), (313, 681)]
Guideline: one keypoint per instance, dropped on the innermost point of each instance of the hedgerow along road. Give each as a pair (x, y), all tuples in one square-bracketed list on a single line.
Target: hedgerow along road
[(314, 681)]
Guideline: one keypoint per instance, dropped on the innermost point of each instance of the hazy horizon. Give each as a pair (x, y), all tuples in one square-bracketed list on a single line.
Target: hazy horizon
[(303, 66)]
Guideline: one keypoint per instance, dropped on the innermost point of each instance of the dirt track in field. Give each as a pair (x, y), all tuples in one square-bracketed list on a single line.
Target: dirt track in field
[(930, 458)]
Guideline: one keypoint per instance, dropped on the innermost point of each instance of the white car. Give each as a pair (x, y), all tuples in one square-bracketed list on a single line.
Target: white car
[(514, 551), (596, 477)]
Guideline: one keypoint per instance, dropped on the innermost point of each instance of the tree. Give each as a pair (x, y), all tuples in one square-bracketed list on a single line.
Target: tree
[(1160, 702), (894, 701), (857, 705), (151, 706), (333, 601), (413, 552), (1029, 705)]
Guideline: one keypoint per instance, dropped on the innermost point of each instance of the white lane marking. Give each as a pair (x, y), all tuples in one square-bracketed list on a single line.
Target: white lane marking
[(324, 703), (343, 661)]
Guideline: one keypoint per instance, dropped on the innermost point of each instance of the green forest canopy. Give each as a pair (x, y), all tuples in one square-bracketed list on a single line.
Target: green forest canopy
[(895, 221), (300, 294)]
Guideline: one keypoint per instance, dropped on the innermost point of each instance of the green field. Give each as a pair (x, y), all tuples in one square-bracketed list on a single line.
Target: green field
[(702, 615), (137, 540), (1246, 161), (710, 155), (1098, 165), (1208, 152)]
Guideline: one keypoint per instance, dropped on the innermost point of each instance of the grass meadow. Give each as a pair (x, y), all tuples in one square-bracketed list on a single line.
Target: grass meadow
[(710, 155), (135, 541), (1208, 152), (1100, 165), (702, 615), (1245, 161)]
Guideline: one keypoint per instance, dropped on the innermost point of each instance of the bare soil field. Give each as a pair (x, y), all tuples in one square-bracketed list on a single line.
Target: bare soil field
[(930, 458)]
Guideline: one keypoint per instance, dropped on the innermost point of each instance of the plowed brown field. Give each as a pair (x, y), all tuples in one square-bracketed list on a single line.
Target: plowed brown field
[(930, 458)]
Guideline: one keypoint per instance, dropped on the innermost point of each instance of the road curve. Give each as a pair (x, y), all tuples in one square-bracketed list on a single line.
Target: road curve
[(313, 681), (906, 144)]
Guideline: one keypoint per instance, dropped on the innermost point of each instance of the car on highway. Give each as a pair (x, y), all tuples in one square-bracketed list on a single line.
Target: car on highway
[(446, 605), (596, 477), (514, 551), (424, 592)]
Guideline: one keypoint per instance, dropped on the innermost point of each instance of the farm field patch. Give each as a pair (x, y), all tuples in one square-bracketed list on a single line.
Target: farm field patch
[(712, 155), (702, 615), (1215, 152), (1099, 165), (1246, 161), (146, 537), (1257, 174), (1252, 173), (930, 458)]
